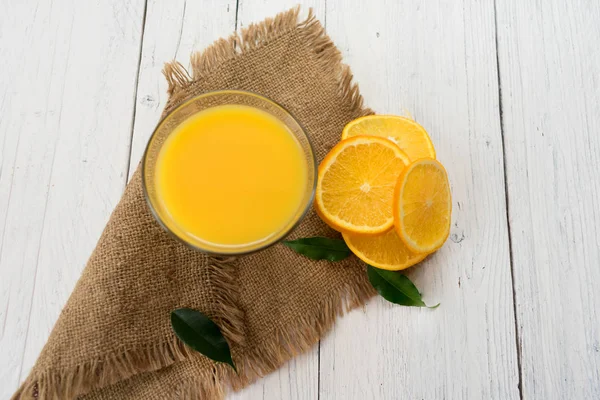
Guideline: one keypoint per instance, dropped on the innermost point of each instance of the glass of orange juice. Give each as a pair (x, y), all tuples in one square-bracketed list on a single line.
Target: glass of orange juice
[(229, 172)]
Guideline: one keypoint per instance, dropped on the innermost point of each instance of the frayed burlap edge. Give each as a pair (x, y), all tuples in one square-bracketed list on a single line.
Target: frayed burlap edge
[(284, 345), (112, 368), (255, 363), (255, 36), (118, 366), (225, 293)]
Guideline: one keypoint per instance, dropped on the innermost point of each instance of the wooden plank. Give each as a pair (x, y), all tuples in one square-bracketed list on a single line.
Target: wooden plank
[(550, 79), (66, 88), (436, 59), (298, 379), (173, 30)]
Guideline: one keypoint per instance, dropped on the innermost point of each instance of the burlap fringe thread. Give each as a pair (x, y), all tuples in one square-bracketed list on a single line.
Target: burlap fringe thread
[(225, 293), (284, 345)]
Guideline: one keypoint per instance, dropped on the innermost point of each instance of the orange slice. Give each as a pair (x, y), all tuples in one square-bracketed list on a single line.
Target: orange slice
[(355, 186), (385, 251), (406, 133), (423, 206)]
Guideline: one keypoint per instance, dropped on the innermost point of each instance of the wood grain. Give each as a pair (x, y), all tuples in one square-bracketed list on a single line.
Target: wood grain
[(437, 60), (66, 105), (550, 74)]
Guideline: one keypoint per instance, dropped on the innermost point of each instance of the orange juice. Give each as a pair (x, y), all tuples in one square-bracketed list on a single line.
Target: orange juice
[(231, 175)]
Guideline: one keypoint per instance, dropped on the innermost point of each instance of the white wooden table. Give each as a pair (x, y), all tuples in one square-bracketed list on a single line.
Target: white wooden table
[(510, 93)]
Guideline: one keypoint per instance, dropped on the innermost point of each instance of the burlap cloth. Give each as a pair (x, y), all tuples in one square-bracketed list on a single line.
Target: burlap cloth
[(113, 339)]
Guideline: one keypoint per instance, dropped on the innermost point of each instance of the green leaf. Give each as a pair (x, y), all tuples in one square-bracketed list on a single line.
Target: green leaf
[(395, 287), (320, 248), (201, 334)]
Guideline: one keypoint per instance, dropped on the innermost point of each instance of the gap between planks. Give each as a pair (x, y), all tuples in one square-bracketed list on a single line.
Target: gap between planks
[(135, 92), (507, 208)]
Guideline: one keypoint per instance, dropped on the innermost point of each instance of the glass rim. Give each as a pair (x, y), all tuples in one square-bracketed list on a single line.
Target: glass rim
[(282, 234)]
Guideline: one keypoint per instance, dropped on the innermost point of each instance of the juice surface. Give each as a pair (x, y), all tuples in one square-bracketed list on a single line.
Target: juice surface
[(231, 175)]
